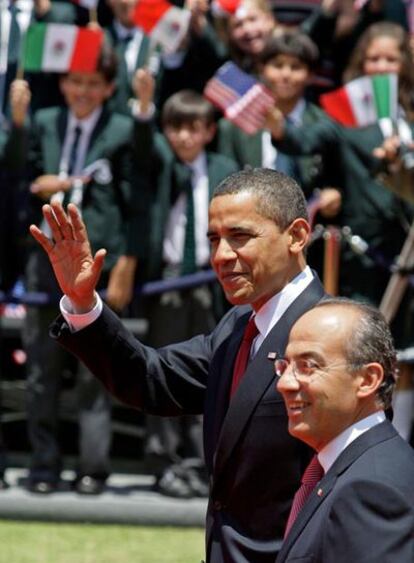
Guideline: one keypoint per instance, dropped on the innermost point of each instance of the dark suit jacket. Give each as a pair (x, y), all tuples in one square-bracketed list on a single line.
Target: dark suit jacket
[(362, 511), (253, 462)]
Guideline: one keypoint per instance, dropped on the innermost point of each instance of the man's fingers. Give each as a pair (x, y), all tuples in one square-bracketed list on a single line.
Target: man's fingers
[(79, 230), (63, 221), (41, 238), (98, 262)]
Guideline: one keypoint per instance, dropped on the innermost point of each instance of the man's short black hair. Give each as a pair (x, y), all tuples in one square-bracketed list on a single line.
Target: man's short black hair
[(293, 43), (278, 197), (187, 106)]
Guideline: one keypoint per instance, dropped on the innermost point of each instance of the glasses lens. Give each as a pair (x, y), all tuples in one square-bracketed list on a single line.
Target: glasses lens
[(280, 367)]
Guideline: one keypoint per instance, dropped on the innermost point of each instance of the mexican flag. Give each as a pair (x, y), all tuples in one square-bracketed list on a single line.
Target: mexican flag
[(61, 48), (363, 101), (166, 24)]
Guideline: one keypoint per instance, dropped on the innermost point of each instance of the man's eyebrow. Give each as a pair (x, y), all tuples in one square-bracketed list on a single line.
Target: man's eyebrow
[(232, 230)]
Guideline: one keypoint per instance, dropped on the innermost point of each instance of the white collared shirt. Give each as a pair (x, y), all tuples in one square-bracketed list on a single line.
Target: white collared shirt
[(328, 455), (134, 45), (271, 312), (269, 152), (174, 236), (87, 125)]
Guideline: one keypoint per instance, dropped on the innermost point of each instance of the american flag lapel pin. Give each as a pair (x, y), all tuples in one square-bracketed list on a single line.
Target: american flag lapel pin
[(319, 492), (272, 356)]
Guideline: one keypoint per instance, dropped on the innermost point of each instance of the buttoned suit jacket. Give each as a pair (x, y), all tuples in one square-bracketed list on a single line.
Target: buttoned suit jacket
[(253, 463), (363, 508)]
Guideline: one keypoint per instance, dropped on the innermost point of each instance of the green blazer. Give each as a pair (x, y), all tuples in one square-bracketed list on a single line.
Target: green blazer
[(246, 150), (156, 163), (108, 200), (371, 210)]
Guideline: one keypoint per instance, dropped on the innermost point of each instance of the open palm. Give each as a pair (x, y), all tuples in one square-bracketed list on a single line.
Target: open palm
[(69, 251)]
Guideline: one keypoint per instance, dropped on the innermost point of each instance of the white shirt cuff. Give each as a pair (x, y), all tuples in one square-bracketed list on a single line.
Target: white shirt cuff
[(139, 114), (75, 321)]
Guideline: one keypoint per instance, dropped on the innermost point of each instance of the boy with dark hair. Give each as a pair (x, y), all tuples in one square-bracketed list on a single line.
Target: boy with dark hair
[(285, 65), (184, 174), (79, 153)]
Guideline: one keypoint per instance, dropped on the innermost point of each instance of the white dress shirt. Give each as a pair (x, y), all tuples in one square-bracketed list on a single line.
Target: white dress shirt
[(328, 455), (173, 246), (87, 126)]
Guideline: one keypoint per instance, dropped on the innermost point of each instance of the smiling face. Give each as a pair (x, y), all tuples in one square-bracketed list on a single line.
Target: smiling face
[(321, 408), (252, 257), (383, 55), (286, 76), (84, 92), (188, 139), (249, 29)]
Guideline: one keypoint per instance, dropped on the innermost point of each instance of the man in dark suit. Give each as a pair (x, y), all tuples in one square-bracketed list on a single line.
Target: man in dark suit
[(337, 380), (258, 232)]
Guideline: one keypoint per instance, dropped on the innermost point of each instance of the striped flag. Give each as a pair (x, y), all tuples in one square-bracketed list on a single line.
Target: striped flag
[(243, 100), (166, 24), (363, 101), (61, 48)]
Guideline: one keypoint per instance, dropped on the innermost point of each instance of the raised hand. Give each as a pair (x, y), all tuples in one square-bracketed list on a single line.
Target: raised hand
[(69, 251)]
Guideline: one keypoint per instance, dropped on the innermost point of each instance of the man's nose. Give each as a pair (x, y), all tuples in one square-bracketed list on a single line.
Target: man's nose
[(222, 252)]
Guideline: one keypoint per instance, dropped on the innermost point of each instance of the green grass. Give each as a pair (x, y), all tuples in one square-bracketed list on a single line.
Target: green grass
[(33, 542)]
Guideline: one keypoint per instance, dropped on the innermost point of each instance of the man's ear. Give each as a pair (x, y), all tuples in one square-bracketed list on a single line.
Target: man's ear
[(299, 231), (371, 376)]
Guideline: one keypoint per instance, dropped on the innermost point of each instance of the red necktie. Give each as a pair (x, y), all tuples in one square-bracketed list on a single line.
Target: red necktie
[(313, 474), (242, 358)]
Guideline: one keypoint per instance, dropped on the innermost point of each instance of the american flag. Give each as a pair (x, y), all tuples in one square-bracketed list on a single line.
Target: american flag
[(243, 100)]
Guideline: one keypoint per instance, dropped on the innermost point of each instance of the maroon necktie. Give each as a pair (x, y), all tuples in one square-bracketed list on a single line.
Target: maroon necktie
[(313, 474), (242, 358)]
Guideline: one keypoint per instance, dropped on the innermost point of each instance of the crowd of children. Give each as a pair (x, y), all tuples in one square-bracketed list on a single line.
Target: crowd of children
[(139, 149)]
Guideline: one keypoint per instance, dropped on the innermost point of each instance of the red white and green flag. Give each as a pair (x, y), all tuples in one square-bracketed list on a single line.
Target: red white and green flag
[(61, 48), (363, 101), (166, 24)]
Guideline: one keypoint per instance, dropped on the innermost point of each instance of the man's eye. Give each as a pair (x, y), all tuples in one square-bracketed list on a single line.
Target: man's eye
[(306, 367)]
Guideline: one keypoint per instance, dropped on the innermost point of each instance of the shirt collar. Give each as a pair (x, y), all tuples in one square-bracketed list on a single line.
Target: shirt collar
[(270, 313), (335, 447), (88, 123), (123, 32), (295, 117), (199, 164)]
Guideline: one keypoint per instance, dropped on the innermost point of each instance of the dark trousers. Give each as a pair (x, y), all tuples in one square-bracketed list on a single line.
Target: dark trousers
[(175, 316), (46, 363)]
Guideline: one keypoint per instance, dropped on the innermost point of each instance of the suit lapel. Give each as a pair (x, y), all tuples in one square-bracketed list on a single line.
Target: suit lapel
[(377, 434), (98, 139), (259, 374)]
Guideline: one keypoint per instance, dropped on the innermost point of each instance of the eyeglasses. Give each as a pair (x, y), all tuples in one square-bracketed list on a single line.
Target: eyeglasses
[(303, 369)]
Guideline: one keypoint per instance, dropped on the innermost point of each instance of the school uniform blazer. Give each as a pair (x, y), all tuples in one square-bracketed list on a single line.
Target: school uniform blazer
[(363, 508), (107, 201), (253, 463), (247, 150), (156, 163)]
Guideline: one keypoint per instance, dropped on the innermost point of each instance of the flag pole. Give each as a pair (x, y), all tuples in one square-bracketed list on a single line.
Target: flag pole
[(93, 15), (332, 238)]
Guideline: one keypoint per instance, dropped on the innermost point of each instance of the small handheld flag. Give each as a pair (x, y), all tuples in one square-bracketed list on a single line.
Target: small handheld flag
[(61, 48), (243, 100), (363, 101), (166, 24)]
